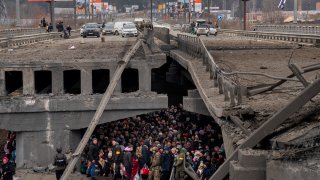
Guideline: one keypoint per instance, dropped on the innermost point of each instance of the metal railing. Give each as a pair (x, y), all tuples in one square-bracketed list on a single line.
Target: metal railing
[(21, 31), (290, 37), (289, 29), (195, 47), (26, 39)]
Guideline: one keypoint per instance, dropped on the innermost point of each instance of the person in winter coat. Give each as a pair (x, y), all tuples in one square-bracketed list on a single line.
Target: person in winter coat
[(166, 161), (7, 169), (117, 159), (145, 160), (155, 166), (93, 157), (127, 161), (60, 161), (135, 167)]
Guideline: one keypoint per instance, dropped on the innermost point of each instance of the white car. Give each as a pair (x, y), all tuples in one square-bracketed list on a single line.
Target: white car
[(176, 27), (118, 26), (129, 30), (206, 29)]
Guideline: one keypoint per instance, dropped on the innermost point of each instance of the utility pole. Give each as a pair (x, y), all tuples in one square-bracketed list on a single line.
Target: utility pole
[(189, 8), (52, 5), (75, 13), (208, 5), (17, 12), (92, 10), (151, 13), (194, 8), (295, 13), (245, 14)]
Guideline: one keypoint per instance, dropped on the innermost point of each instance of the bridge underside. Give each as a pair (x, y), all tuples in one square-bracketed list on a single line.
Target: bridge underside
[(40, 132)]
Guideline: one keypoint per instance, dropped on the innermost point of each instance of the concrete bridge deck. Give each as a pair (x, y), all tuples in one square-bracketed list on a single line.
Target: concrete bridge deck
[(48, 92), (242, 121)]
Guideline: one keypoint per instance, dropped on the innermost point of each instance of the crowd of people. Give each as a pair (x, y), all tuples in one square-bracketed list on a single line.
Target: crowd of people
[(8, 164), (149, 146)]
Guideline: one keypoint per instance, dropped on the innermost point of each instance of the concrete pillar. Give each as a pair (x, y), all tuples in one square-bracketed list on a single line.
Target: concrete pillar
[(2, 84), (28, 82), (86, 81), (57, 82), (118, 88), (38, 148), (144, 78)]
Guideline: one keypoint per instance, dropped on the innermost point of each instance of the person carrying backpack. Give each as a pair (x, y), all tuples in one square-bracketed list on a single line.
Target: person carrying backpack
[(60, 161)]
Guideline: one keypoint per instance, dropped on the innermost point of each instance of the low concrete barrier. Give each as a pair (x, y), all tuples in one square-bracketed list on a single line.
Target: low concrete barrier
[(291, 37), (26, 39), (289, 29), (162, 33), (20, 31)]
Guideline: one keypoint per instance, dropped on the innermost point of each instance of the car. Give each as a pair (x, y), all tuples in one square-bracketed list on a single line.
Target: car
[(129, 30), (91, 29), (206, 29), (118, 26), (107, 29), (176, 27)]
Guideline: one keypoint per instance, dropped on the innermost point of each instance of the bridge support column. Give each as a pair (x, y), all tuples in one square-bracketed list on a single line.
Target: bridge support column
[(86, 81), (57, 82), (28, 82), (144, 78), (37, 148), (2, 84), (118, 88)]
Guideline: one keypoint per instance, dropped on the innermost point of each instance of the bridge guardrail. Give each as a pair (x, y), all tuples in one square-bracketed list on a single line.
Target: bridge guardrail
[(26, 39), (291, 37), (195, 47), (289, 29), (162, 33), (21, 31)]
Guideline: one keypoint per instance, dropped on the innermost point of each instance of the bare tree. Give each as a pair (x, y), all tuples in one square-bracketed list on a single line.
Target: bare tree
[(3, 11), (271, 13)]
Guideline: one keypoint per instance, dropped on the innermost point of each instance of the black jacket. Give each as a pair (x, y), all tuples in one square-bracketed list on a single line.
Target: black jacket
[(146, 155), (117, 154), (93, 153), (7, 171), (166, 161), (127, 161)]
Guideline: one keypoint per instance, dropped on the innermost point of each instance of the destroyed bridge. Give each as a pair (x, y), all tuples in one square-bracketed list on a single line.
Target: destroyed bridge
[(261, 87)]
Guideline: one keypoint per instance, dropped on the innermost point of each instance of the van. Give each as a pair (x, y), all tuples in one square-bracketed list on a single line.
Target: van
[(118, 26)]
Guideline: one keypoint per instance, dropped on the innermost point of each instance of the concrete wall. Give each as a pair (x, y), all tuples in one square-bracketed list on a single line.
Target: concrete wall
[(194, 103), (38, 148), (281, 170)]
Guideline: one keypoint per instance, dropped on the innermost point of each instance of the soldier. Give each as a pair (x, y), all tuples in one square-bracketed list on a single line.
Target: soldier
[(155, 165), (179, 165), (117, 156)]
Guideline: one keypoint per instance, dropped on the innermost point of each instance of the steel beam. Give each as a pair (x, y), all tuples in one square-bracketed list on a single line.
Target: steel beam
[(268, 127)]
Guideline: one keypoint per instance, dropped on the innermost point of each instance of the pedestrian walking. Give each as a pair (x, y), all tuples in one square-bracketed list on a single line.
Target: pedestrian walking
[(60, 161), (166, 161), (93, 158), (127, 161), (69, 30), (117, 159)]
